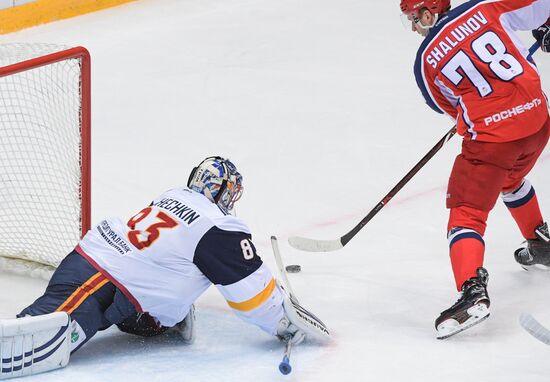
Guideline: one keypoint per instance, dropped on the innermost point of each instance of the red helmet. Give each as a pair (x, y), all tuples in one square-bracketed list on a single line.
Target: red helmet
[(411, 7)]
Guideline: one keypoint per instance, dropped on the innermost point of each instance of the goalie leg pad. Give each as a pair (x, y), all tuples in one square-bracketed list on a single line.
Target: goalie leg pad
[(32, 345)]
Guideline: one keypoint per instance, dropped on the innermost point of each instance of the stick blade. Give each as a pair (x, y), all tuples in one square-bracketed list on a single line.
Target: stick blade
[(281, 266), (534, 328), (312, 245)]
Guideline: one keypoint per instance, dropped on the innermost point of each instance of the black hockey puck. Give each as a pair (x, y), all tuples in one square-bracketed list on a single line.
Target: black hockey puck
[(295, 268)]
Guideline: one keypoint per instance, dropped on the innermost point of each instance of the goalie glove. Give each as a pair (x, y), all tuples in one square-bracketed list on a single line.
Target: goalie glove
[(287, 331), (542, 35), (301, 322)]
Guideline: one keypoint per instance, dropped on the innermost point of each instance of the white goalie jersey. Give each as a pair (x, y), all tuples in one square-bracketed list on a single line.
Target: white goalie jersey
[(169, 253)]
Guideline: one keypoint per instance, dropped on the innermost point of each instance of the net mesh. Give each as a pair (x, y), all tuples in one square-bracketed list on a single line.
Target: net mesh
[(40, 157)]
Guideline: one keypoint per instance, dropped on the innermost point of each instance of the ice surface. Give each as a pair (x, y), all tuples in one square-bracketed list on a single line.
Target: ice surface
[(315, 102)]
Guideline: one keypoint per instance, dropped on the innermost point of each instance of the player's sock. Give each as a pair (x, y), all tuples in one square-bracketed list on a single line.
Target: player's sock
[(466, 250), (524, 207)]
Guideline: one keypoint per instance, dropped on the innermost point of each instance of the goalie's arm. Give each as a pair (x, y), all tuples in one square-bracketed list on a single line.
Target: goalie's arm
[(250, 289), (229, 260)]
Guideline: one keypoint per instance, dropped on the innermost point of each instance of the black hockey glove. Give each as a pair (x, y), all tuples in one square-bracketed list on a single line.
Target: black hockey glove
[(542, 35)]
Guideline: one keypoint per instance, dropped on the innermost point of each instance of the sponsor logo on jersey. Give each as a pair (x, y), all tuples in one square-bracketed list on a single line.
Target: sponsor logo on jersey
[(178, 209), (112, 238), (450, 40), (512, 112)]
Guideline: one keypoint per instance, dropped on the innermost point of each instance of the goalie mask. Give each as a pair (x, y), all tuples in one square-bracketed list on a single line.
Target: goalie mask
[(217, 179)]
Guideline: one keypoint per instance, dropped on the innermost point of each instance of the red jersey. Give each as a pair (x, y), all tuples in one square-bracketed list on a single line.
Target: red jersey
[(473, 67)]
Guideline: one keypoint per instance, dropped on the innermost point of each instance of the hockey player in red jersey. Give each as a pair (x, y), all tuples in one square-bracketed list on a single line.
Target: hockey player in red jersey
[(144, 275), (472, 67)]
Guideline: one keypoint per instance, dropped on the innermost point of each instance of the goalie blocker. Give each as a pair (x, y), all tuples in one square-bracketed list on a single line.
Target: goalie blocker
[(32, 345)]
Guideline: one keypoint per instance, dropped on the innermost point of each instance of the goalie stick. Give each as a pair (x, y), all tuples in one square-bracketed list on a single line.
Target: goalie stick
[(534, 328), (284, 365), (296, 313), (313, 245)]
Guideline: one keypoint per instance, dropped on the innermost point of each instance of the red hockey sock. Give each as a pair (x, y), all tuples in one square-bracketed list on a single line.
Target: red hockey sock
[(524, 207), (466, 249)]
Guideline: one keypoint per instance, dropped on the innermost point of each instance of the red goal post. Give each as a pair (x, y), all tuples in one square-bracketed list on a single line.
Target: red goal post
[(45, 128)]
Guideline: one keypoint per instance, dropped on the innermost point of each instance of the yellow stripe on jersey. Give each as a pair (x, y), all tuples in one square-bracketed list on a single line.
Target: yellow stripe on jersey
[(255, 301)]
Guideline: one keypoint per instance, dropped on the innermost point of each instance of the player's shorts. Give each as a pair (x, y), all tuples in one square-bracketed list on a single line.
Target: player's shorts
[(91, 300), (485, 169)]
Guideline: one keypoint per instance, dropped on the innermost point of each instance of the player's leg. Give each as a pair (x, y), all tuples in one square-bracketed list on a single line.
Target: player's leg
[(523, 205), (465, 231), (474, 186), (520, 198), (522, 202), (143, 324), (79, 290), (66, 316)]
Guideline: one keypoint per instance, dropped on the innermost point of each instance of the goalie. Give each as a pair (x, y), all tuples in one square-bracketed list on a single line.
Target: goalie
[(144, 275)]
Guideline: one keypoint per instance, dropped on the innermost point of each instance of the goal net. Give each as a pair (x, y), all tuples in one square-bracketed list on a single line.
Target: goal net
[(44, 154)]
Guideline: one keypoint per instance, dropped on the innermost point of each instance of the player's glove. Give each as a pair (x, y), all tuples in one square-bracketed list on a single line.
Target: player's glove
[(287, 331), (542, 35)]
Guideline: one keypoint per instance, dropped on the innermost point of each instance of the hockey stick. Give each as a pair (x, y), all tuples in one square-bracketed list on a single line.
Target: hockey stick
[(312, 245), (306, 321), (284, 366), (533, 49), (534, 328), (281, 268)]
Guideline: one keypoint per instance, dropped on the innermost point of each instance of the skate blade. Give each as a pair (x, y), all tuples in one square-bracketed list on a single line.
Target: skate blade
[(450, 327), (536, 268)]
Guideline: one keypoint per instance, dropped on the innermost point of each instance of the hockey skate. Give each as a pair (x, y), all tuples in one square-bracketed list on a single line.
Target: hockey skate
[(186, 327), (536, 254), (471, 308)]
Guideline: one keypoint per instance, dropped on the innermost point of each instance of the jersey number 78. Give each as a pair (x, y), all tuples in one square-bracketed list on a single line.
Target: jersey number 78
[(490, 49)]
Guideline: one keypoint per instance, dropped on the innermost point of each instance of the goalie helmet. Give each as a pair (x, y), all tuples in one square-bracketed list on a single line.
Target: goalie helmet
[(413, 7), (217, 178)]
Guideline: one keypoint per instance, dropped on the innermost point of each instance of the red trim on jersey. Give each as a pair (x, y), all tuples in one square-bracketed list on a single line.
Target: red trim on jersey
[(125, 291)]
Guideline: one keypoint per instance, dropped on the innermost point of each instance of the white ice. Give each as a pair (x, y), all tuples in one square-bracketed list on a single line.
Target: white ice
[(316, 103)]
